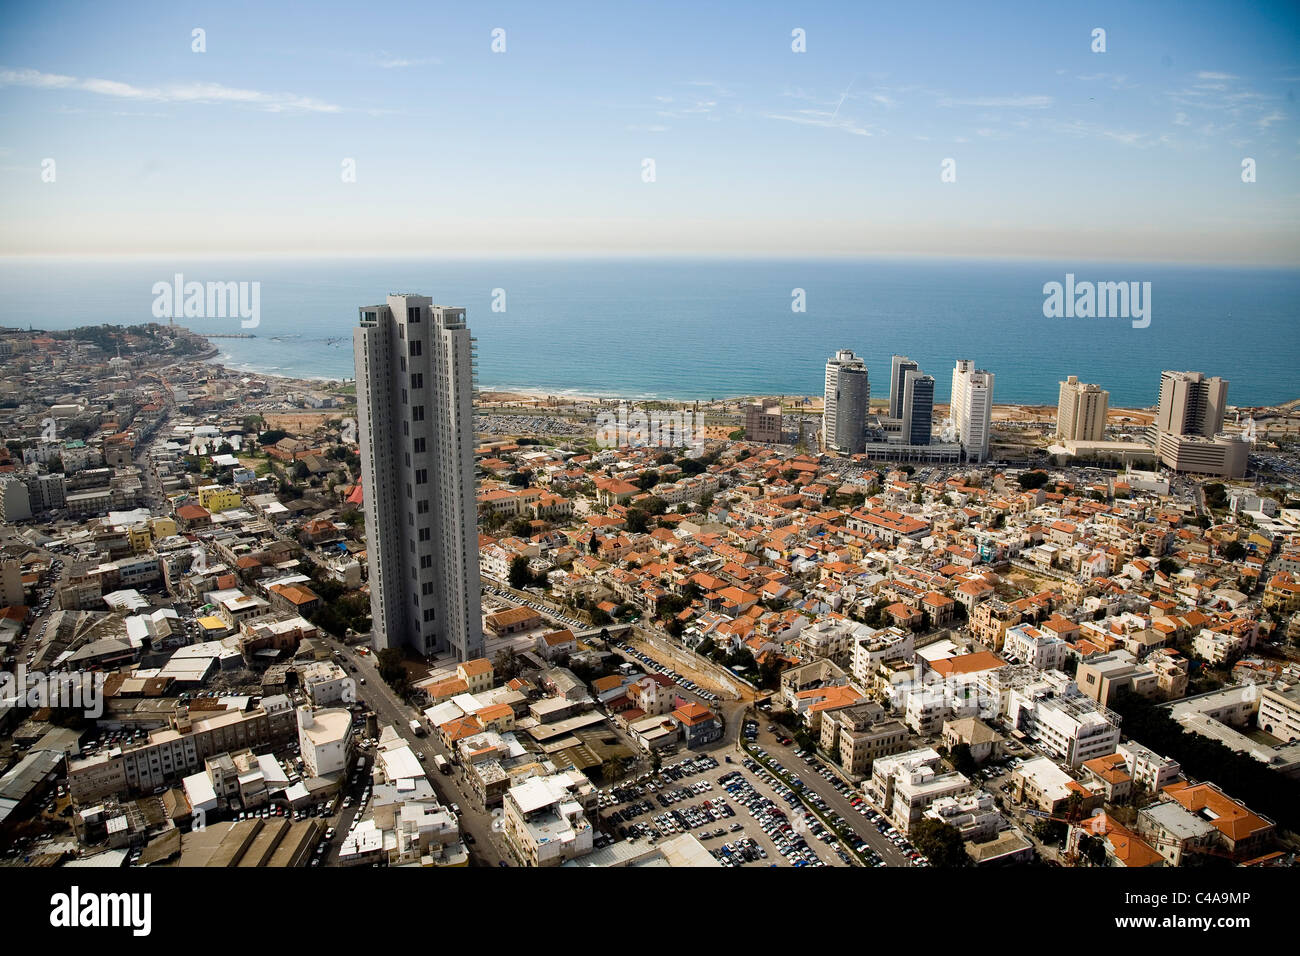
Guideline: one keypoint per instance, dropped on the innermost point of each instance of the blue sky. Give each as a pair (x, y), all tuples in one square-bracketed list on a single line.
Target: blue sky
[(1134, 153)]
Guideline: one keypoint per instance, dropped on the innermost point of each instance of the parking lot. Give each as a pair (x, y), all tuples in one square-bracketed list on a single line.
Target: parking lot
[(732, 810), (831, 796), (654, 667)]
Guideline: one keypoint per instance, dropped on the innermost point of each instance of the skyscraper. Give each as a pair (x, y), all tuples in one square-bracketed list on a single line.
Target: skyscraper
[(847, 397), (1191, 404), (415, 390), (918, 407), (899, 366), (1189, 434), (972, 408), (1081, 411)]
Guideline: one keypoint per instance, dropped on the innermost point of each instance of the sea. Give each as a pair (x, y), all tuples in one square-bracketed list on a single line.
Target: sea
[(701, 328)]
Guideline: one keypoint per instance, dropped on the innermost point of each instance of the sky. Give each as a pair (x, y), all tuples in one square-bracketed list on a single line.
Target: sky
[(118, 138)]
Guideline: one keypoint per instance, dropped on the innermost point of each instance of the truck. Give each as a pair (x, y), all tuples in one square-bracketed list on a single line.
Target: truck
[(441, 763), (417, 728)]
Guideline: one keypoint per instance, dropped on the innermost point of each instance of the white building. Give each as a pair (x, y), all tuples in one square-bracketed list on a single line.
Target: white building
[(972, 408), (324, 738), (545, 822), (975, 815), (415, 385), (1148, 769), (1028, 645), (906, 785), (1072, 726), (327, 684)]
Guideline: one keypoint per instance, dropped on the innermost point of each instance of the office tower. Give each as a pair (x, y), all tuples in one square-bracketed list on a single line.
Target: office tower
[(763, 422), (1081, 411), (1189, 434), (971, 408), (848, 394), (1191, 404), (918, 407), (899, 366), (415, 391)]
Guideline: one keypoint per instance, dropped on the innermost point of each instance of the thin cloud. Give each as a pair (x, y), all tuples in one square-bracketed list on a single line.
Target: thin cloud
[(392, 61), (1001, 102), (208, 93), (823, 119)]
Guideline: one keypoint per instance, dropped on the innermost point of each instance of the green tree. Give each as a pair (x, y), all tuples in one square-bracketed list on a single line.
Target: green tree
[(520, 575), (941, 843), (1029, 480)]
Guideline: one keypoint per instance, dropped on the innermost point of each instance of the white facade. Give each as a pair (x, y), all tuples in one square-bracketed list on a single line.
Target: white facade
[(544, 819), (1028, 645), (1074, 727), (972, 408), (323, 737), (415, 387)]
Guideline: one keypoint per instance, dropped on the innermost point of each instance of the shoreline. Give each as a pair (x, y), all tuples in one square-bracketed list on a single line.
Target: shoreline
[(504, 397)]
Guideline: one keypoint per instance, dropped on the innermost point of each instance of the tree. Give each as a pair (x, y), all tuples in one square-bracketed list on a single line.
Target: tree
[(391, 669), (1029, 480), (1093, 849), (654, 505), (648, 479), (1168, 567), (961, 759), (941, 843), (520, 575), (1050, 831), (1233, 551), (637, 521)]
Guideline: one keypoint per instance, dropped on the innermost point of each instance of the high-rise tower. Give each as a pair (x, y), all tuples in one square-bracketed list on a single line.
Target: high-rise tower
[(415, 410)]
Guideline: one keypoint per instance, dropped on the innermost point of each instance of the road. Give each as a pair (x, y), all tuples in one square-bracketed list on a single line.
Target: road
[(489, 845)]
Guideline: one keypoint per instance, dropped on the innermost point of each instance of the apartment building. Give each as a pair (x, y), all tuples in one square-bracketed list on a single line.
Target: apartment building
[(1028, 645), (860, 734), (1149, 770), (1103, 676), (415, 385), (1071, 725), (179, 749), (971, 408), (544, 819), (1081, 411), (906, 785), (847, 400), (1279, 711), (763, 423)]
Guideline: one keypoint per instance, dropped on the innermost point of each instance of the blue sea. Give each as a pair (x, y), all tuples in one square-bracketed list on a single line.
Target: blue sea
[(711, 328)]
